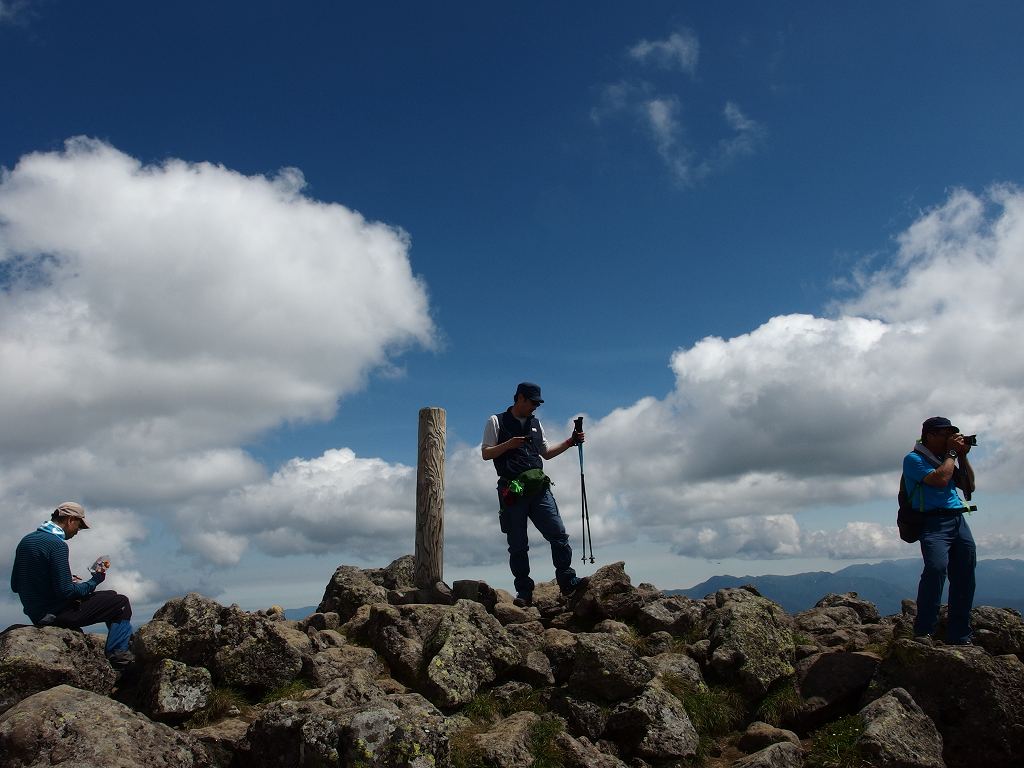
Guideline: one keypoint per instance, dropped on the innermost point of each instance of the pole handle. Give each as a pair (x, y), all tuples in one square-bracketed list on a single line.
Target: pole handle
[(577, 424)]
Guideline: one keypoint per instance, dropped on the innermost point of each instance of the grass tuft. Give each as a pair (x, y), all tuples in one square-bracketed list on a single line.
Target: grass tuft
[(835, 745), (221, 702), (544, 745), (782, 703), (290, 690)]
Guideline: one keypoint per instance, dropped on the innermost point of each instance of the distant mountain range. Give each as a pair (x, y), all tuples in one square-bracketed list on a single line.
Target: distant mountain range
[(999, 583)]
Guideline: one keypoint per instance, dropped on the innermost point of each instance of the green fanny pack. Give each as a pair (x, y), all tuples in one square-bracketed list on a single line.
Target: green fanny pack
[(527, 484)]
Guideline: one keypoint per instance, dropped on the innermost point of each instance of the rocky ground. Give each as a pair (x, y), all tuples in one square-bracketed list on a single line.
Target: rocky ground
[(621, 675)]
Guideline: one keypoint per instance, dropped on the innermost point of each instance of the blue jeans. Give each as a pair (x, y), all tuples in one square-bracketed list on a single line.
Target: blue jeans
[(543, 512), (948, 549)]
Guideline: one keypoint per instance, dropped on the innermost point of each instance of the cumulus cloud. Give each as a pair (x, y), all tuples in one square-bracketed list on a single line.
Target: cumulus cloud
[(155, 317), (680, 50), (808, 412)]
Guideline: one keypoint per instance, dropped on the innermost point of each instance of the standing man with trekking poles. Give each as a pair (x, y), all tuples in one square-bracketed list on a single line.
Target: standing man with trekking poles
[(514, 441)]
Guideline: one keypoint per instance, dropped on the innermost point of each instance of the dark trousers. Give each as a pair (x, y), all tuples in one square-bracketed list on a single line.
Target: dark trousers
[(542, 511), (104, 607), (947, 547)]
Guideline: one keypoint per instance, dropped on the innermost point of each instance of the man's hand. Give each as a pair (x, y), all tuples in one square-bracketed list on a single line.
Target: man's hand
[(516, 442), (956, 443), (577, 438)]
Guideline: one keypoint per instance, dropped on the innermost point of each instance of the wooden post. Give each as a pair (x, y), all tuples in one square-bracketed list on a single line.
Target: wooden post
[(430, 498)]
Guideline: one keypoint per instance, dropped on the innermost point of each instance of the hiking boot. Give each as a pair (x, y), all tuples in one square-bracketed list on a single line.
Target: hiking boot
[(523, 601), (121, 659), (577, 587)]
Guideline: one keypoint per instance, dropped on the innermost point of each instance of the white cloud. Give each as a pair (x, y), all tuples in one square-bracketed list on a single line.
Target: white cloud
[(680, 50), (809, 412), (660, 113), (156, 317)]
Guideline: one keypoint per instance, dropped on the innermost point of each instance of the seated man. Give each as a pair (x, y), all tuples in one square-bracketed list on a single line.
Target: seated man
[(50, 595)]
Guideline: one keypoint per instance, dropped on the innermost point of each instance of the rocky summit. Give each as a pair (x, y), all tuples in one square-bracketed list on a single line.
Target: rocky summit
[(384, 674)]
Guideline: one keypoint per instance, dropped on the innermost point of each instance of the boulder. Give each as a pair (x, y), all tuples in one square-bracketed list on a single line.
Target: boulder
[(898, 734), (609, 595), (866, 611), (998, 630), (66, 726), (340, 661), (303, 734), (760, 735), (173, 691), (679, 666), (677, 615), (582, 753), (654, 726), (559, 645), (33, 659), (468, 648), (751, 644), (398, 575), (257, 653), (348, 589), (780, 755), (404, 731), (224, 740), (967, 693), (186, 629), (832, 684), (583, 717), (607, 669), (506, 614), (477, 591), (507, 744), (446, 652)]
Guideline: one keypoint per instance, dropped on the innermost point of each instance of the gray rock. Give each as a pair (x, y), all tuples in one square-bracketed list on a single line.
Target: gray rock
[(477, 591), (751, 641), (832, 684), (506, 614), (559, 645), (583, 717), (173, 690), (303, 734), (866, 611), (898, 734), (680, 666), (657, 643), (507, 743), (256, 652), (33, 659), (998, 630), (186, 629), (67, 726), (759, 735), (607, 669), (965, 692), (399, 575), (348, 589), (581, 753), (399, 732), (334, 662), (655, 726), (678, 615), (609, 595), (781, 755), (224, 741)]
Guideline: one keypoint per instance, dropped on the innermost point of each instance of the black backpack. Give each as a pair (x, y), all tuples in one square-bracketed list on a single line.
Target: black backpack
[(909, 519)]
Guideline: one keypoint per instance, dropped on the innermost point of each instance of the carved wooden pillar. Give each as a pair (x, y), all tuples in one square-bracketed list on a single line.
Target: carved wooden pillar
[(430, 498)]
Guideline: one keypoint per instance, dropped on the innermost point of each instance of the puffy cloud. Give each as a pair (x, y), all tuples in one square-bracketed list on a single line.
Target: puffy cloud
[(155, 317), (808, 412), (680, 50)]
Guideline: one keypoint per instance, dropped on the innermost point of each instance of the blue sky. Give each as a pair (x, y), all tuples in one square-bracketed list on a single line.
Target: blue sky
[(754, 245)]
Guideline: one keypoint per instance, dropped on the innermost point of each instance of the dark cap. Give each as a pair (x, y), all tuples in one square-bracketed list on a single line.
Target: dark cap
[(936, 423), (530, 391), (72, 509)]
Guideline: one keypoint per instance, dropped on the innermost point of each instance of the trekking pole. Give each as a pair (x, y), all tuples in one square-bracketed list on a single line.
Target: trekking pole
[(578, 424)]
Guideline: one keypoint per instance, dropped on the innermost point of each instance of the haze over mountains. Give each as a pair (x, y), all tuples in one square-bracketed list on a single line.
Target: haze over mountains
[(999, 583)]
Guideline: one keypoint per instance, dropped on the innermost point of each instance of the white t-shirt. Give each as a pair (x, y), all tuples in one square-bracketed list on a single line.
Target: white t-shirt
[(491, 429)]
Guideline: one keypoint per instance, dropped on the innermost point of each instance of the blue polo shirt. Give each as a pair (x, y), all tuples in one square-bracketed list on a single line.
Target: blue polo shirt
[(915, 468)]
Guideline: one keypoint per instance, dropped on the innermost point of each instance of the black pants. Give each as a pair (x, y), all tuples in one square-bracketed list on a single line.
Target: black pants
[(97, 608)]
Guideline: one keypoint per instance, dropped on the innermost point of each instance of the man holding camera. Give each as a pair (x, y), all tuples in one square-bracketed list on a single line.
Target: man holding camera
[(932, 472), (514, 441)]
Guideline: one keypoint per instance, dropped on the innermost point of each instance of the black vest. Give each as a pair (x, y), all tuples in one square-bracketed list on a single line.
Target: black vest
[(513, 463)]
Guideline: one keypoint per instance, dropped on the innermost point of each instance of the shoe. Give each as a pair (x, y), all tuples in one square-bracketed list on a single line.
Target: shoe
[(121, 659), (577, 586), (523, 601)]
